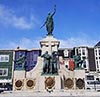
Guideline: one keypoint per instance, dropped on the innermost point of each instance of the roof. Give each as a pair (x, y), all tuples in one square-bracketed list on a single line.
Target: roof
[(97, 45)]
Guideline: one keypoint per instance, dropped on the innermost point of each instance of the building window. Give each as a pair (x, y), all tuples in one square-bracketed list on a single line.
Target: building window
[(96, 52), (35, 62), (84, 64), (97, 79), (79, 51), (35, 57), (65, 53), (83, 52), (3, 71), (90, 77), (96, 58), (97, 64), (99, 52), (83, 58), (4, 58), (36, 52)]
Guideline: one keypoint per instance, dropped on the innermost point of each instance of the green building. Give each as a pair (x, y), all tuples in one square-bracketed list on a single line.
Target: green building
[(6, 69)]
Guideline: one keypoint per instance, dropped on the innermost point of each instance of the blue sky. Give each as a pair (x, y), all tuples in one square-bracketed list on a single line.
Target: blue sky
[(77, 22)]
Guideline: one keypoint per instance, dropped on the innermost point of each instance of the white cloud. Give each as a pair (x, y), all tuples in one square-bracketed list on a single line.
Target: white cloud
[(24, 43), (27, 43), (9, 18), (21, 23), (77, 41)]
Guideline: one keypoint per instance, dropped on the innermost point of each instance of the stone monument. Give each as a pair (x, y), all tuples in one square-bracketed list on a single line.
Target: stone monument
[(49, 75), (49, 48), (49, 43)]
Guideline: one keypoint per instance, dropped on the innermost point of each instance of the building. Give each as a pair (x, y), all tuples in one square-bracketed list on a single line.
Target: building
[(21, 61), (6, 69), (25, 61), (97, 56)]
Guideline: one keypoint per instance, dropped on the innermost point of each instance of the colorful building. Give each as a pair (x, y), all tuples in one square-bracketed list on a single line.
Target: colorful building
[(21, 61), (6, 69)]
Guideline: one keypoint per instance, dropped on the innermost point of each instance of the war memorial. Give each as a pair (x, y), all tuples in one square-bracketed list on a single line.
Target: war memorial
[(50, 71)]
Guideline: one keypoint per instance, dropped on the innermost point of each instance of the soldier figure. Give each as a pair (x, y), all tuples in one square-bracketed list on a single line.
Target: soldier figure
[(49, 22), (46, 65), (54, 59)]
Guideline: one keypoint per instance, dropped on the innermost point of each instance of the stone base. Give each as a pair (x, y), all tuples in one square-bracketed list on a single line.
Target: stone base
[(79, 73), (49, 44), (19, 77), (49, 83), (71, 93)]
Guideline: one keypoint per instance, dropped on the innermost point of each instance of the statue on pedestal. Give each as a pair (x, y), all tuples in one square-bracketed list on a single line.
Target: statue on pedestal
[(49, 22), (50, 63), (46, 64)]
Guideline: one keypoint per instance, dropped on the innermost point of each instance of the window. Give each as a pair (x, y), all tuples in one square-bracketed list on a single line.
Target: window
[(97, 64), (79, 51), (65, 53), (97, 79), (35, 62), (35, 57), (3, 71), (84, 64), (4, 58), (96, 52), (83, 58), (96, 58), (94, 83), (99, 52), (83, 52), (36, 52), (90, 77)]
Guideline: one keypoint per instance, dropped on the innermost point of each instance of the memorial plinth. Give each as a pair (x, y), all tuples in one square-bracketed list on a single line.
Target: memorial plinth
[(49, 44)]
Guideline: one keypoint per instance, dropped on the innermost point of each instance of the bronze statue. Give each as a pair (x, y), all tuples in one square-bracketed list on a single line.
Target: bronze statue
[(49, 22), (46, 64), (50, 63), (21, 60), (78, 61), (54, 59)]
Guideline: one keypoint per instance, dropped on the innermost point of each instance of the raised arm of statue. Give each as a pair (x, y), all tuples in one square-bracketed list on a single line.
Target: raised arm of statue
[(54, 11)]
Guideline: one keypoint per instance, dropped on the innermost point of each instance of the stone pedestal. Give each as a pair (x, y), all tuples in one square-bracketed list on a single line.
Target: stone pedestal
[(49, 83), (79, 73), (49, 44), (80, 79), (19, 78), (37, 70)]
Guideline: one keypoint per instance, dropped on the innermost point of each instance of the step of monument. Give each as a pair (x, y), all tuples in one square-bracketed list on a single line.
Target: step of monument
[(52, 94)]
